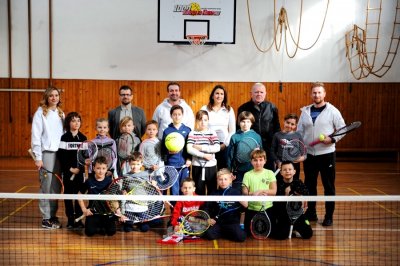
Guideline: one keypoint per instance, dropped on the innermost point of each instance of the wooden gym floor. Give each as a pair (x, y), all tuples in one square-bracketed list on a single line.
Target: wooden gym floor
[(345, 243)]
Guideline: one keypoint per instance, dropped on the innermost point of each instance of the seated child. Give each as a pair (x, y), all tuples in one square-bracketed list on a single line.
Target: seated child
[(95, 184), (182, 208), (225, 216), (290, 186)]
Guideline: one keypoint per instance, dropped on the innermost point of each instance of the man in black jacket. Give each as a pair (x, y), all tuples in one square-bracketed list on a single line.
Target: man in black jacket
[(126, 109), (266, 118)]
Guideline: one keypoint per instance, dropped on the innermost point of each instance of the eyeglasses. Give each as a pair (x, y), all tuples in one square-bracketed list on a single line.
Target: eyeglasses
[(127, 95)]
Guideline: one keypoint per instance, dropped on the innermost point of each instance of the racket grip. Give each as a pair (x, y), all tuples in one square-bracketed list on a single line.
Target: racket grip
[(79, 218), (315, 142), (72, 177), (277, 171), (203, 174), (291, 231)]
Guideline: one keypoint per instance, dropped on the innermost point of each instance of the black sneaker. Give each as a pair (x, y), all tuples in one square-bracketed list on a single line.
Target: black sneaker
[(48, 224), (56, 223), (327, 222)]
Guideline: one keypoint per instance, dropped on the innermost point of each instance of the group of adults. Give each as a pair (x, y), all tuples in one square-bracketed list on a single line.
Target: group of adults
[(319, 116)]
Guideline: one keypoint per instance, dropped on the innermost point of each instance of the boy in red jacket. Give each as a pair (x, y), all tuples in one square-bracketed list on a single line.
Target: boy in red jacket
[(182, 208)]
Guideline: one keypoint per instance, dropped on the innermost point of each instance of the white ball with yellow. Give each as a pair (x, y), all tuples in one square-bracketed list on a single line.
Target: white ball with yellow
[(174, 142), (321, 137)]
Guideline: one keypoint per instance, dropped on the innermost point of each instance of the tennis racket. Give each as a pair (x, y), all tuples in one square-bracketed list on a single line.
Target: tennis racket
[(195, 223), (244, 148), (226, 207), (260, 225), (125, 147), (292, 150), (139, 211), (43, 171), (109, 154), (166, 176), (221, 135), (341, 131), (294, 210), (87, 152), (151, 151), (105, 207)]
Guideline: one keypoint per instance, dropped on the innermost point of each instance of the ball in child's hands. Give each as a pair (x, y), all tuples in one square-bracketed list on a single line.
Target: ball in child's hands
[(174, 142), (321, 137)]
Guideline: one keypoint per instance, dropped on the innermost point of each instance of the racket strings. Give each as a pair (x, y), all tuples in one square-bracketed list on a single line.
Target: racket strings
[(195, 222), (87, 150), (244, 149), (260, 225), (151, 151), (165, 177), (108, 153), (125, 146), (293, 150)]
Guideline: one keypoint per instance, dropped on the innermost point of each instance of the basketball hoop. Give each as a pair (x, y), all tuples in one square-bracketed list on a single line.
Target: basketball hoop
[(196, 40)]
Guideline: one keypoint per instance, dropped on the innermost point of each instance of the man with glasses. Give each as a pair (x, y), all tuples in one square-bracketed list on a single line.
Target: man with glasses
[(126, 109)]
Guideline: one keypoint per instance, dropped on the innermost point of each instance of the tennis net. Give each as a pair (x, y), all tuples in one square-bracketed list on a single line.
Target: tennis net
[(365, 231)]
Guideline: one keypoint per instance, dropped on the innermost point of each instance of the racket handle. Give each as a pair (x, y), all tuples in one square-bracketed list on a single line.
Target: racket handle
[(86, 174), (72, 177), (79, 218), (291, 231), (315, 142), (203, 174), (277, 171), (32, 154)]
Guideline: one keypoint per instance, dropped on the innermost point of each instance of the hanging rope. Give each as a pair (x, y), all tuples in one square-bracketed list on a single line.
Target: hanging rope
[(281, 28)]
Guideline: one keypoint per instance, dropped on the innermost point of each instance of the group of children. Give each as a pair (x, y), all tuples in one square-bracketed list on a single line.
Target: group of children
[(198, 152)]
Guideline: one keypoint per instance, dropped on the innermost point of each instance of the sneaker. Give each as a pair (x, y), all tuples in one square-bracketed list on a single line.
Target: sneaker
[(46, 223), (56, 223), (327, 222)]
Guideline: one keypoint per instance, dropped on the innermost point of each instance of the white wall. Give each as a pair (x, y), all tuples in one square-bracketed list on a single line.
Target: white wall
[(103, 39)]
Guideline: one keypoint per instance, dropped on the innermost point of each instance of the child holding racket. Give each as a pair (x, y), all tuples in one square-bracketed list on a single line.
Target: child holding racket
[(225, 216), (202, 144), (242, 143), (282, 139), (71, 171), (136, 163), (126, 126), (106, 146), (178, 159), (286, 187), (182, 208), (150, 148), (259, 182), (98, 223)]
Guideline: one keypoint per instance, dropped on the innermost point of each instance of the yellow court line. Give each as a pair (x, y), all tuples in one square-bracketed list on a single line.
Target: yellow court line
[(18, 191), (376, 203), (14, 212), (215, 244)]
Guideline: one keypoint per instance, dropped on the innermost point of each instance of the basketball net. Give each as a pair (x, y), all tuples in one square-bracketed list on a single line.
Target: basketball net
[(196, 40)]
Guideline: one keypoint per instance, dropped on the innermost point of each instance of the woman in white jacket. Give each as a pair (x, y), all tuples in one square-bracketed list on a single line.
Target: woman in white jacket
[(47, 129)]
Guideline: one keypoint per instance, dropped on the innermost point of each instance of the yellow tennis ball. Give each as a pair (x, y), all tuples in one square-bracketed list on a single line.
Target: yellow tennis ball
[(321, 137), (174, 142)]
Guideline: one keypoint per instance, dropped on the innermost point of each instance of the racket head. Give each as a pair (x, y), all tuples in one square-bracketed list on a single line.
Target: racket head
[(346, 129), (293, 150), (165, 177), (108, 153), (195, 223), (151, 151), (60, 184), (294, 210), (125, 146), (87, 150), (136, 186), (244, 149), (106, 207), (260, 226)]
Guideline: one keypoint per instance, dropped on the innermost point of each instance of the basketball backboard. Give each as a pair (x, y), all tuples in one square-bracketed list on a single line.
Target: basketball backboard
[(179, 18)]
